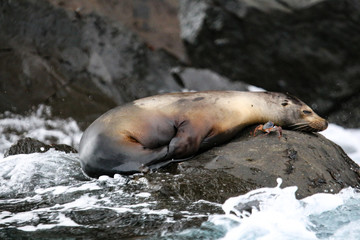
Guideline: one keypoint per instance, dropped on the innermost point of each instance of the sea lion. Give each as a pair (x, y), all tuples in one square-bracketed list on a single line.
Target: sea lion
[(152, 132)]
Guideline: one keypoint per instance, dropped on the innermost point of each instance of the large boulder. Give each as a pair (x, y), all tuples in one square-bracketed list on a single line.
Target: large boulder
[(308, 48), (307, 160), (155, 21)]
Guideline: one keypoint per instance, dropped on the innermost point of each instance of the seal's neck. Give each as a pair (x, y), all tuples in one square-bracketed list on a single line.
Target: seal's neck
[(256, 107)]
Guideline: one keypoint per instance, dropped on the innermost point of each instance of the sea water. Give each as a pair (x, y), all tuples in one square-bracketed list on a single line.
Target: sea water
[(277, 214), (49, 187)]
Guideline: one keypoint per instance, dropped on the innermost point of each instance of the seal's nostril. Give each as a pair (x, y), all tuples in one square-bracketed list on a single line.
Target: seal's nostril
[(325, 125)]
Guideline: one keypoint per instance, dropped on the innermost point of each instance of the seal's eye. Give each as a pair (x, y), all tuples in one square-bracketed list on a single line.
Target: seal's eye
[(306, 112)]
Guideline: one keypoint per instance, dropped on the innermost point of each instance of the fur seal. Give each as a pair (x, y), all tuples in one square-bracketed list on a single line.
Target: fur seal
[(152, 132)]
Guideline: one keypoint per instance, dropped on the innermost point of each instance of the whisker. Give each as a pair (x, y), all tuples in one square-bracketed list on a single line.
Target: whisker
[(300, 124), (302, 127), (299, 127), (296, 124)]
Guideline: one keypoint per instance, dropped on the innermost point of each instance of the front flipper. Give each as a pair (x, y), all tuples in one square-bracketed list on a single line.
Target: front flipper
[(182, 147), (186, 142)]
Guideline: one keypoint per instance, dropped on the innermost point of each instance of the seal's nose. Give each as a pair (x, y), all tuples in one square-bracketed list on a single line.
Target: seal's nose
[(325, 125), (319, 125)]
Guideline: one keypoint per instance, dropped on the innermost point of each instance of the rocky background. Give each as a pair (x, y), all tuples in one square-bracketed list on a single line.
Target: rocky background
[(84, 57)]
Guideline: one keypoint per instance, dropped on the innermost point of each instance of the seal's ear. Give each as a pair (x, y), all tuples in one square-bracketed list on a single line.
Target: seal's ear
[(293, 99), (285, 102)]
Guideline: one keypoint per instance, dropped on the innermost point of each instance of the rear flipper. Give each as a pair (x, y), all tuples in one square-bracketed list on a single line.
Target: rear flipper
[(186, 142), (182, 147)]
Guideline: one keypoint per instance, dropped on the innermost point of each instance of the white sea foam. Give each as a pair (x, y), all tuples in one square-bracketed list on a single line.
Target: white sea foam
[(27, 172), (277, 214), (156, 212), (68, 189), (84, 202), (268, 220), (143, 195), (252, 88), (348, 232), (321, 202), (61, 220), (347, 138)]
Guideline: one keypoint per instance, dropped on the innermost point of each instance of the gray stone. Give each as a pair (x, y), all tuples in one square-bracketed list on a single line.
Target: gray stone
[(205, 80)]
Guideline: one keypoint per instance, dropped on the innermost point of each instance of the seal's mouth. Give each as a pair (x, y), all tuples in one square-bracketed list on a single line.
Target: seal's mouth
[(315, 126)]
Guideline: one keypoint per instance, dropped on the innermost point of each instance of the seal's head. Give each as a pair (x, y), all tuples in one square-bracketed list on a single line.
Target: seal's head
[(296, 115)]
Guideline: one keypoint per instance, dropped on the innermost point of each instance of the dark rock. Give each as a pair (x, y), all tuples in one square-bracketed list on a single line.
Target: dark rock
[(63, 148), (194, 182), (307, 160), (30, 145), (347, 112), (26, 146), (156, 22), (307, 48), (204, 80)]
